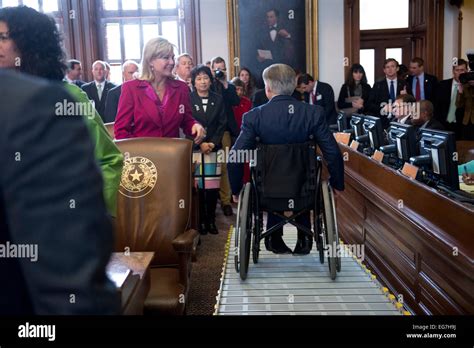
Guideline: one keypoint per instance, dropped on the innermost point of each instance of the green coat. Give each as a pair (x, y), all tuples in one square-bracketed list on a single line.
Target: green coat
[(107, 154)]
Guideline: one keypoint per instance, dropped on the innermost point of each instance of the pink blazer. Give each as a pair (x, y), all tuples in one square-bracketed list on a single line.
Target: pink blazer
[(141, 113)]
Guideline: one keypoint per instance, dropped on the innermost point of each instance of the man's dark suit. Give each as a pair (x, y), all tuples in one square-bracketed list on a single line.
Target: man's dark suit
[(50, 196), (379, 95), (443, 101), (282, 48), (325, 97), (259, 98), (230, 99), (111, 104), (430, 86), (273, 123), (434, 124), (91, 90)]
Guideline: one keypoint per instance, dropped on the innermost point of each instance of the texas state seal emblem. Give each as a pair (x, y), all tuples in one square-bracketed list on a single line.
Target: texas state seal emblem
[(139, 177)]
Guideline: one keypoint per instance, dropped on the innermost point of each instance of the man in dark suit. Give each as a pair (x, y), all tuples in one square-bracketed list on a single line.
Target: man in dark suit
[(426, 119), (129, 68), (385, 92), (98, 89), (446, 111), (284, 120), (421, 85), (319, 93), (259, 98), (51, 201), (74, 72), (274, 38), (228, 92)]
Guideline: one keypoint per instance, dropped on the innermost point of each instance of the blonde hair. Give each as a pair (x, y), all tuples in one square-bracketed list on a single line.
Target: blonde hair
[(154, 48)]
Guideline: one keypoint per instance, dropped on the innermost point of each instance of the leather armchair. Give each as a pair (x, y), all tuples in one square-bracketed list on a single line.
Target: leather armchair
[(153, 214)]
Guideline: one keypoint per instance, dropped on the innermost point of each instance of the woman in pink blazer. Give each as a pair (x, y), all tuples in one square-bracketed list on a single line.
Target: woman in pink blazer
[(156, 105)]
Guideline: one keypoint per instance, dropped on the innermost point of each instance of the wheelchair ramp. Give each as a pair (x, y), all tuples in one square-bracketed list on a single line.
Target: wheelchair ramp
[(300, 285)]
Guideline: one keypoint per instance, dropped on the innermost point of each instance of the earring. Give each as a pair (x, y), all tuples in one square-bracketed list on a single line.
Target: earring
[(152, 68)]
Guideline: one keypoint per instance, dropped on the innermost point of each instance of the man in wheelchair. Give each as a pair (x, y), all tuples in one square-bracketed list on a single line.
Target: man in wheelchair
[(285, 120)]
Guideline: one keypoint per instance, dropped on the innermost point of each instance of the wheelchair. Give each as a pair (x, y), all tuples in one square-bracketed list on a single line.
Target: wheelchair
[(286, 178)]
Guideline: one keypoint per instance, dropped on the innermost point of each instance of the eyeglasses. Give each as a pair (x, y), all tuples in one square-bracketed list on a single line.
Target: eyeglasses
[(4, 37)]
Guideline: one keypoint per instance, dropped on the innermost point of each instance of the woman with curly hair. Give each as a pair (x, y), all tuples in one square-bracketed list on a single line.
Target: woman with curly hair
[(30, 43)]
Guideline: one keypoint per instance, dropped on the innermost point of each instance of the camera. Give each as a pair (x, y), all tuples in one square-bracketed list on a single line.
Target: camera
[(219, 74), (469, 76)]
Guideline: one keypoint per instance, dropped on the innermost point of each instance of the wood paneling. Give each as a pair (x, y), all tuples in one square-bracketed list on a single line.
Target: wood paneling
[(419, 242), (424, 33)]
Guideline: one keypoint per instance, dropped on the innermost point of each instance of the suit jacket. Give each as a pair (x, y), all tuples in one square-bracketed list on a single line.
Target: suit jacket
[(282, 48), (380, 95), (259, 98), (434, 124), (230, 99), (91, 90), (141, 114), (274, 124), (213, 119), (325, 98), (430, 86), (442, 103), (345, 92), (111, 104), (36, 198)]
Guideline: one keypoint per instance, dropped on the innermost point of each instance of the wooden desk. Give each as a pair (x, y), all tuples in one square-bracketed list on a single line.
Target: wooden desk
[(419, 242), (131, 275)]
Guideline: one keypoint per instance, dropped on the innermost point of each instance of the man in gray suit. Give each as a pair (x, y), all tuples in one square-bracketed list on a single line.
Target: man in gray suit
[(55, 236)]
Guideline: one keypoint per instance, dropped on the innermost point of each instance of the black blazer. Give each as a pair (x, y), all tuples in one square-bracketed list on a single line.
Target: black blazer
[(230, 99), (259, 98), (325, 98), (213, 119), (341, 101), (443, 100), (430, 85), (434, 124), (274, 124), (111, 104), (74, 245), (379, 95), (91, 90)]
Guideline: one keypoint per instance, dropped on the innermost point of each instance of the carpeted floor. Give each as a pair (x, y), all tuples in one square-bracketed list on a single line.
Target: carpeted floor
[(206, 271)]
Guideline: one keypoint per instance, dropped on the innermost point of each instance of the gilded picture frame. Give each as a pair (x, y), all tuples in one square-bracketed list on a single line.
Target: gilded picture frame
[(247, 20)]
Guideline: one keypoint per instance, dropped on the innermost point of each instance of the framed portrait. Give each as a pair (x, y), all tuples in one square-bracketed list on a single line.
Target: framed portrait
[(262, 33)]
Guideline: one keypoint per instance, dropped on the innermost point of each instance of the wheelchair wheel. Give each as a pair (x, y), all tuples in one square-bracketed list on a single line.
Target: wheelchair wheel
[(258, 226), (237, 235), (318, 227), (331, 230), (245, 227)]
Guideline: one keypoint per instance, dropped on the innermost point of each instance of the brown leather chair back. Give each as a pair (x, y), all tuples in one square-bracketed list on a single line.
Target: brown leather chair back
[(110, 129), (153, 204)]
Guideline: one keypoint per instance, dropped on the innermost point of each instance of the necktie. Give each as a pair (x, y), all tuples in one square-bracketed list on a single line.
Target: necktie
[(99, 91), (452, 107), (418, 89), (392, 92)]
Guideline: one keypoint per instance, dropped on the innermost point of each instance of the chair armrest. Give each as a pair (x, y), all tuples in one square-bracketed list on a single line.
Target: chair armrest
[(184, 243)]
